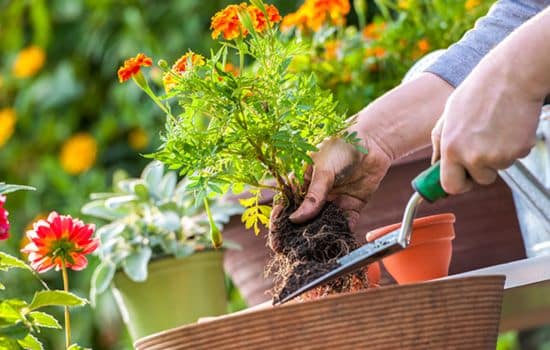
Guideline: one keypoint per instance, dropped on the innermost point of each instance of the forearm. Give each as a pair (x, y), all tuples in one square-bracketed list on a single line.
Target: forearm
[(523, 57), (402, 119)]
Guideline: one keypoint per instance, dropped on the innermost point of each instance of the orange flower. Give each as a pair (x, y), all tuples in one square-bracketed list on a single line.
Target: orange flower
[(404, 4), (230, 68), (227, 23), (188, 61), (132, 66), (373, 30), (375, 51), (313, 14), (78, 153), (471, 4), (331, 49), (60, 241), (258, 17), (423, 46)]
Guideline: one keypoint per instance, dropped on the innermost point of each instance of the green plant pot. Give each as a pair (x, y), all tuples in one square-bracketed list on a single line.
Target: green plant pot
[(176, 292)]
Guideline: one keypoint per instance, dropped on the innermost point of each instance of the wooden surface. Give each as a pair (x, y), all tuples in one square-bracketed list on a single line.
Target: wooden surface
[(487, 231), (449, 314)]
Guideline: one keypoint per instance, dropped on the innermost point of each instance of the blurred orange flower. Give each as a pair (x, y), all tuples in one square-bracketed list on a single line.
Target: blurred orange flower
[(230, 68), (60, 241), (313, 14), (375, 51), (28, 62), (373, 30), (78, 153), (331, 49), (8, 117), (471, 4), (132, 66)]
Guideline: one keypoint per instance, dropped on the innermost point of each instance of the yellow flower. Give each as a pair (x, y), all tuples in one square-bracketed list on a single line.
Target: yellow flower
[(404, 4), (78, 153), (28, 62), (7, 124), (470, 4), (138, 139)]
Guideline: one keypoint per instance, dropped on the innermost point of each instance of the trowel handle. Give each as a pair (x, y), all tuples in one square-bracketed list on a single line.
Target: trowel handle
[(428, 184)]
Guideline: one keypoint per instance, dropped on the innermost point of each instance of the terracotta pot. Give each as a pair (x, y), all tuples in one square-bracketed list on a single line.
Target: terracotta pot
[(429, 254), (460, 314)]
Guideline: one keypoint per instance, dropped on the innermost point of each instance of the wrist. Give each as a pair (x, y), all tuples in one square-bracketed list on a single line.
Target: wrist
[(401, 120)]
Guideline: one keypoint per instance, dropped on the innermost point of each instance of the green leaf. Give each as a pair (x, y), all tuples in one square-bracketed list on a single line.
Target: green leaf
[(102, 278), (152, 175), (77, 347), (98, 210), (5, 188), (135, 265), (115, 202), (2, 287), (42, 319), (168, 185), (55, 298), (30, 343), (10, 310), (7, 261), (15, 331)]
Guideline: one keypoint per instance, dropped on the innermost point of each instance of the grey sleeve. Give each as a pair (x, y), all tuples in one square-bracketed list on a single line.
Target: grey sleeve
[(504, 16)]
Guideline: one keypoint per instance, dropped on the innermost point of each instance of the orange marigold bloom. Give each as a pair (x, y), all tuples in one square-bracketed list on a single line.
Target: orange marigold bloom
[(60, 241), (331, 49), (471, 4), (230, 68), (258, 17), (188, 61), (423, 46), (313, 14), (375, 51), (132, 66), (373, 30), (227, 22)]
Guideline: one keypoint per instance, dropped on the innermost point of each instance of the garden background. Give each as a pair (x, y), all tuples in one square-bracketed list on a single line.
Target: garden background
[(66, 124)]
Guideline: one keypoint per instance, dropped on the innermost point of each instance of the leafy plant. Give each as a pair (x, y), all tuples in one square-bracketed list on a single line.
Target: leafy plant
[(149, 217), (21, 321), (244, 130)]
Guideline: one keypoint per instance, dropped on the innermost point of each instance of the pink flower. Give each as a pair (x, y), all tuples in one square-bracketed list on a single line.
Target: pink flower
[(60, 240), (4, 223)]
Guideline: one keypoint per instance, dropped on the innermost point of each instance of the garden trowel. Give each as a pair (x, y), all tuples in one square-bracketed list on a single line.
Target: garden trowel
[(427, 187)]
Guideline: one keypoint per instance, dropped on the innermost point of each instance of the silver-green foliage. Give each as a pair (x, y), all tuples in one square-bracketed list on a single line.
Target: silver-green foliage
[(151, 216)]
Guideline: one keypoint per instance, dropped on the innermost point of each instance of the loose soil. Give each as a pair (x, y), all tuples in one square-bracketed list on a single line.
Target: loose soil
[(302, 253)]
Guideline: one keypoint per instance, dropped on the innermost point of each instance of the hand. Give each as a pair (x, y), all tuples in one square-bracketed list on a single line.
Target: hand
[(488, 123), (343, 175)]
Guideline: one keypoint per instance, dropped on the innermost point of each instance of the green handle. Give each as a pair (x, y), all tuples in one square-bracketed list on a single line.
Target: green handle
[(428, 184)]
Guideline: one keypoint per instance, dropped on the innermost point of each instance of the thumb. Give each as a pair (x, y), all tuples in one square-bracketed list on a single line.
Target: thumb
[(321, 183)]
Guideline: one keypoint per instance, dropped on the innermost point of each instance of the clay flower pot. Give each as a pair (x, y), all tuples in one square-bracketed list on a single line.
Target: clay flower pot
[(429, 254)]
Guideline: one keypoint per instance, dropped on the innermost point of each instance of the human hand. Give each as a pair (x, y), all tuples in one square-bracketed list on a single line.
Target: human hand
[(343, 175), (488, 123)]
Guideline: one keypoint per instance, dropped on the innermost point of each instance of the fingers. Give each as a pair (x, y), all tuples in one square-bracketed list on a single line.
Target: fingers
[(321, 183), (454, 178), (436, 139)]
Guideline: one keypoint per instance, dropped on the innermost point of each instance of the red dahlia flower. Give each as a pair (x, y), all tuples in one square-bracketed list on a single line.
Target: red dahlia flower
[(60, 240), (4, 223)]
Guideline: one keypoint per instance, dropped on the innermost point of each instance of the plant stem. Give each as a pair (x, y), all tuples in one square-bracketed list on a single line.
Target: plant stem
[(67, 315)]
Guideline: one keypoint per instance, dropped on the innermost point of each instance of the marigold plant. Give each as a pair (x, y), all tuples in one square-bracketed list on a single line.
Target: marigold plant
[(233, 131)]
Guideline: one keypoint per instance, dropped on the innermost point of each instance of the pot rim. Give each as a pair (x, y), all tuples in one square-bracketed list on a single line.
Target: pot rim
[(426, 221)]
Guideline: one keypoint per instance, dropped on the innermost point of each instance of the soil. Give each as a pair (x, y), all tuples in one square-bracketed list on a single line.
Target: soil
[(302, 253)]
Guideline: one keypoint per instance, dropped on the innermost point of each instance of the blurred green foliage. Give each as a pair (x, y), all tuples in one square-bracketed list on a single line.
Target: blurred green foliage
[(76, 91)]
